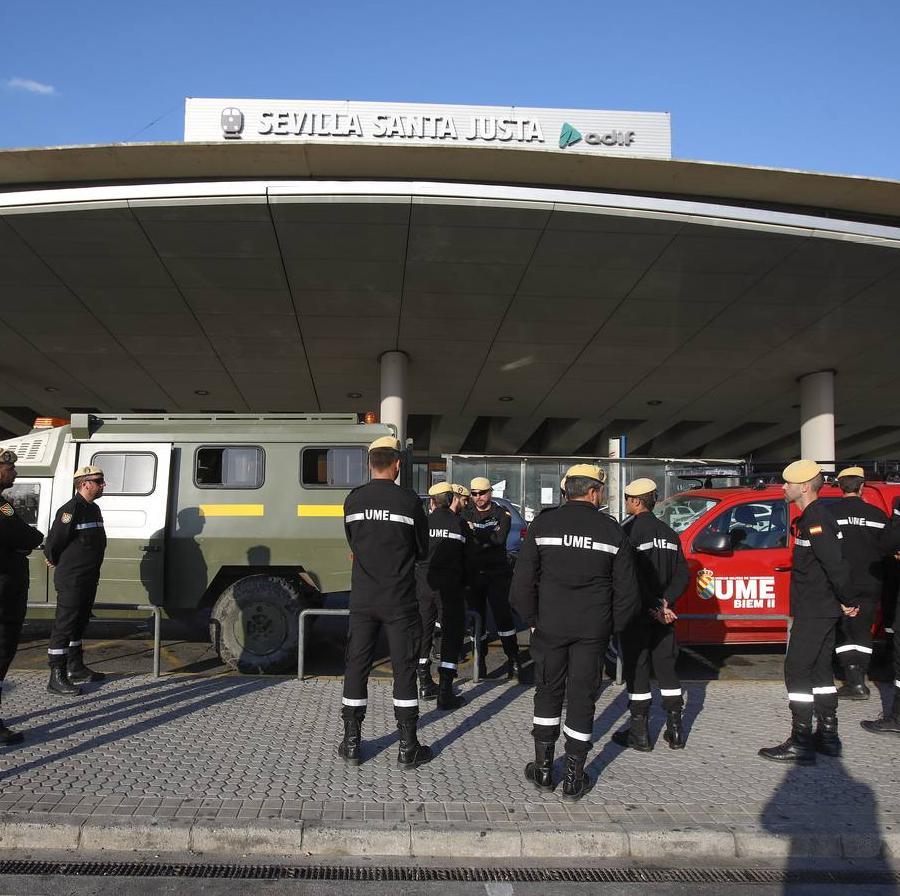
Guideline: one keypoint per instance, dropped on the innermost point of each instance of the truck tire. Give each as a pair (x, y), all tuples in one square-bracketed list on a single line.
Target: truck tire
[(254, 624)]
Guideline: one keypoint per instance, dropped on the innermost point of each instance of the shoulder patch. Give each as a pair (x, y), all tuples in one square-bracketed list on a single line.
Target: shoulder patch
[(7, 509), (66, 518), (815, 530)]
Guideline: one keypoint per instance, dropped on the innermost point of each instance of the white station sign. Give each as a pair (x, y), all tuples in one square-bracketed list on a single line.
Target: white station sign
[(588, 131)]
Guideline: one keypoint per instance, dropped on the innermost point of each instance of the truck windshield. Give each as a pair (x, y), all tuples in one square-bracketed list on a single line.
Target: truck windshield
[(679, 511)]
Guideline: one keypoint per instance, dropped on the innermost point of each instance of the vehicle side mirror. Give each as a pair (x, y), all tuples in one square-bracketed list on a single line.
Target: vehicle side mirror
[(712, 543)]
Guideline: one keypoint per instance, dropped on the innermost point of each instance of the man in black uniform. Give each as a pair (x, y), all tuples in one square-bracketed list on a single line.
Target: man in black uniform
[(387, 531), (17, 541), (865, 545), (439, 580), (574, 584), (820, 594), (75, 548), (663, 575), (487, 571)]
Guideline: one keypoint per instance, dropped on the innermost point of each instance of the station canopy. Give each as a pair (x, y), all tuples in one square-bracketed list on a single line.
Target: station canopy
[(546, 301)]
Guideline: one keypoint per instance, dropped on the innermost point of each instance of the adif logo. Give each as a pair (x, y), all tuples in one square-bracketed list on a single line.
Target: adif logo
[(232, 123), (746, 592), (569, 135)]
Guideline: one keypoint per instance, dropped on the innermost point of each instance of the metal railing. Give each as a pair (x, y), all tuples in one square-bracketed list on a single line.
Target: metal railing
[(152, 609), (305, 614)]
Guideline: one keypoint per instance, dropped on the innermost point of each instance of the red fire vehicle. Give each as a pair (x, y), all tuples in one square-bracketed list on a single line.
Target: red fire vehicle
[(738, 545)]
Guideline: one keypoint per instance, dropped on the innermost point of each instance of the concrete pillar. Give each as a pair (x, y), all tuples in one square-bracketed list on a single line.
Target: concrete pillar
[(817, 417), (393, 391)]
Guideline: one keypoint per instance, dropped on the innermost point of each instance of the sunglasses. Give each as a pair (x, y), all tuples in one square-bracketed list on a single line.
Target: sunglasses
[(96, 481), (482, 492)]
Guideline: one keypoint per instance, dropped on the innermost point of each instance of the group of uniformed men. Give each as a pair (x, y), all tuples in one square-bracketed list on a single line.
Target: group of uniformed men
[(580, 578), (74, 549)]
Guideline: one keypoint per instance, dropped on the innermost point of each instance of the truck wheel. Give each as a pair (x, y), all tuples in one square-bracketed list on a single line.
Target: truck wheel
[(254, 624)]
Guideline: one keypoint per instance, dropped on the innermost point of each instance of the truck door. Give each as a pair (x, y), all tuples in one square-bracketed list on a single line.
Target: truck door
[(134, 508), (753, 580), (31, 499)]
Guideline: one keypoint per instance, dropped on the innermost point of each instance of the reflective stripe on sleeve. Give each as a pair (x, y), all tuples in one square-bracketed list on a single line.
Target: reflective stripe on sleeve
[(606, 548), (349, 701), (576, 735), (800, 698), (646, 546), (845, 647), (89, 526), (548, 539), (538, 720), (455, 537), (802, 542), (399, 518), (354, 517)]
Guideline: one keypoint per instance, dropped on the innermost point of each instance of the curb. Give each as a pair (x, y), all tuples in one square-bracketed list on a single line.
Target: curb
[(413, 840)]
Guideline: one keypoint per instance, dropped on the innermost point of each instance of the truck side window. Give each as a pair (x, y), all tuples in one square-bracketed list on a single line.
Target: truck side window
[(127, 473), (25, 497), (221, 467), (753, 526), (333, 467)]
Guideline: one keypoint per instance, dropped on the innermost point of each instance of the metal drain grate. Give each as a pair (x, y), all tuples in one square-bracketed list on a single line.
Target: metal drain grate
[(402, 873)]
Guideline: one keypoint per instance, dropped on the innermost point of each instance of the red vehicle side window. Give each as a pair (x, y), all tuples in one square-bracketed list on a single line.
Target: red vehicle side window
[(756, 525)]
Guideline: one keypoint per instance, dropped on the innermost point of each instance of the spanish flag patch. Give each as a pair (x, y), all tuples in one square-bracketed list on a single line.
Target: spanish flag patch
[(815, 530), (7, 510)]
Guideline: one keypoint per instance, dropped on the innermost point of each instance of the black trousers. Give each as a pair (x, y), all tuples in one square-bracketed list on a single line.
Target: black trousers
[(73, 611), (646, 644), (856, 632), (492, 587), (13, 600), (895, 644), (429, 599), (807, 668), (566, 669), (441, 597), (404, 632)]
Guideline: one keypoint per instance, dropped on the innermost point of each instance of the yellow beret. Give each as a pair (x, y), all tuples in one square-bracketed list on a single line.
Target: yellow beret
[(87, 471), (586, 471), (801, 471), (480, 484), (385, 442), (640, 487), (8, 457), (562, 483), (852, 471), (460, 490), (440, 488)]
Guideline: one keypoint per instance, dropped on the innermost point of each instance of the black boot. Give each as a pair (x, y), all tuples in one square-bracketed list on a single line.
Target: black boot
[(854, 687), (674, 734), (76, 669), (59, 683), (826, 739), (636, 735), (349, 748), (540, 772), (576, 783), (890, 724), (412, 754), (446, 698), (799, 747), (482, 661), (513, 659), (428, 690)]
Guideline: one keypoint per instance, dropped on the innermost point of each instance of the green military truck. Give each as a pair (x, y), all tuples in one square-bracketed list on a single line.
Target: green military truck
[(232, 518)]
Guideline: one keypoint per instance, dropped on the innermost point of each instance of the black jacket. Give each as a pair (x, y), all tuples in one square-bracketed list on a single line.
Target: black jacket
[(76, 544), (387, 531), (486, 544), (575, 574), (661, 566), (820, 577), (446, 545), (865, 544), (17, 541)]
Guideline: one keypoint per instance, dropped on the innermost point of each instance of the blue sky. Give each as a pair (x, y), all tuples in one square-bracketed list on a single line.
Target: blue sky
[(810, 84)]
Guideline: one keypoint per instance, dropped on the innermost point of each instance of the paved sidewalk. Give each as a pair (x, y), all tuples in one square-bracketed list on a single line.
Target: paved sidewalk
[(234, 753)]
